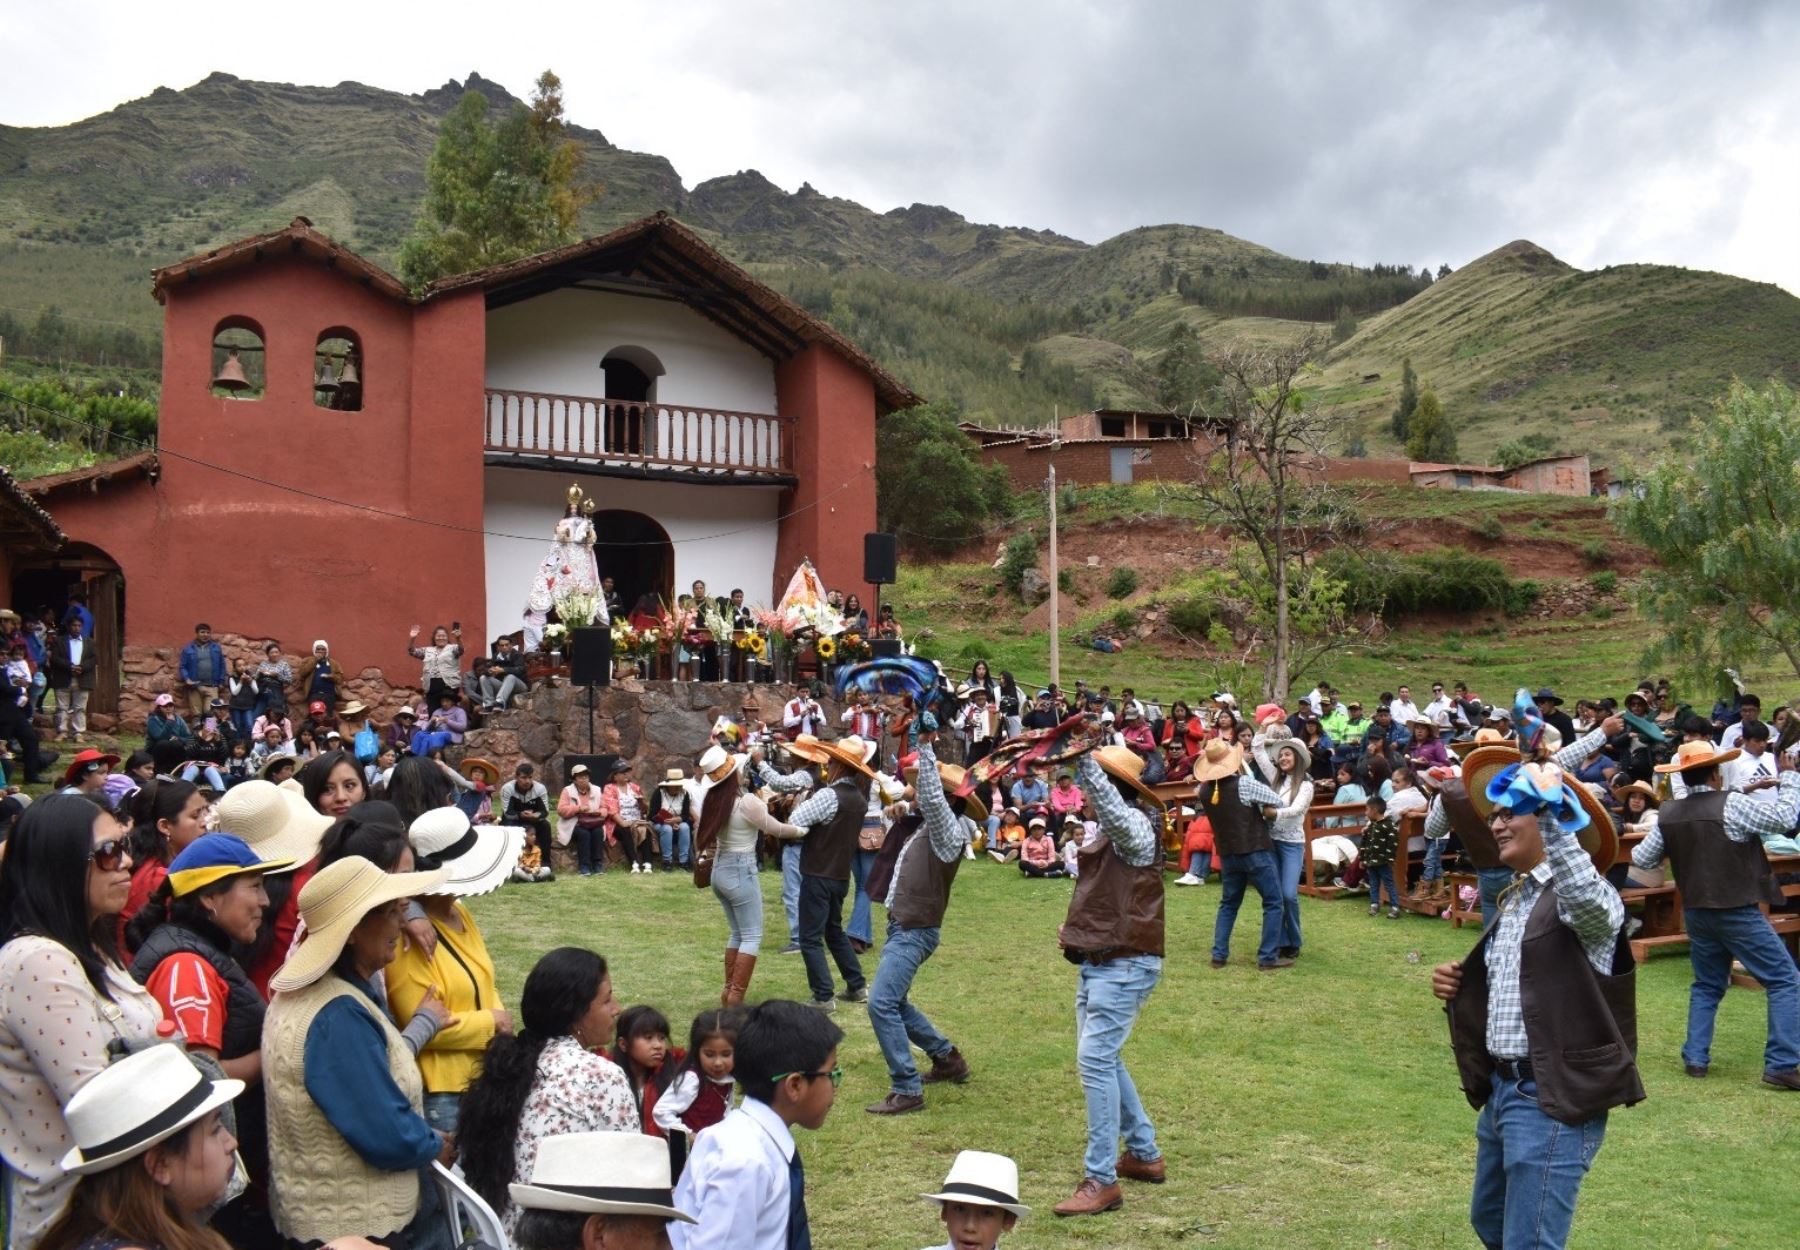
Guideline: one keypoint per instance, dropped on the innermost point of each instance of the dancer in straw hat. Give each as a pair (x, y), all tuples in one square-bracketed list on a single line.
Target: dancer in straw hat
[(1114, 933), (1543, 1011), (1239, 809), (1714, 843), (731, 818), (833, 817), (912, 876)]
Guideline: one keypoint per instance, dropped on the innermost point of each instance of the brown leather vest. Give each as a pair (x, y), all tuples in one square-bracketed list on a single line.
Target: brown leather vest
[(923, 894), (1116, 908), (1581, 1026), (1711, 869), (829, 847), (1237, 829), (1471, 830)]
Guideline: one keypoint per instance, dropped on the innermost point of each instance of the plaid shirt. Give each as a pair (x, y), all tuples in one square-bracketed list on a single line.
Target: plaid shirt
[(785, 783), (1584, 902), (1745, 817), (1129, 829), (948, 832)]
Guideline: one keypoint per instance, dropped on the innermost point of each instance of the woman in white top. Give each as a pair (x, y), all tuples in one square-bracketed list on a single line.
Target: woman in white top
[(731, 819), (64, 998), (1288, 775), (440, 663)]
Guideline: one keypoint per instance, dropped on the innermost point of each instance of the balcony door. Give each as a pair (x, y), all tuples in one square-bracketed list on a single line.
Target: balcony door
[(628, 417)]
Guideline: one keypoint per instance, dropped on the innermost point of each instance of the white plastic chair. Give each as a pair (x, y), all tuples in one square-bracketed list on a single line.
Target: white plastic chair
[(471, 1218)]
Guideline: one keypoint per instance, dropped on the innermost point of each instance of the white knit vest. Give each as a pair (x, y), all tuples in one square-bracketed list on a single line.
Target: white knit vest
[(319, 1187)]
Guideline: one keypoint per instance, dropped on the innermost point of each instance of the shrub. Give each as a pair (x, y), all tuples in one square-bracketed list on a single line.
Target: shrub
[(1123, 581), (1065, 580), (1194, 617), (1606, 581), (1020, 554), (1489, 527), (1124, 620), (1595, 551), (1434, 581)]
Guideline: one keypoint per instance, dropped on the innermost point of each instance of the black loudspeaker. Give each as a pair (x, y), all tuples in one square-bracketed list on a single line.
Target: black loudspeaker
[(599, 766), (889, 647), (591, 656), (880, 558)]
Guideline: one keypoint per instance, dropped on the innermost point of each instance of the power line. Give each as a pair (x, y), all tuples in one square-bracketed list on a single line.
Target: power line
[(147, 445)]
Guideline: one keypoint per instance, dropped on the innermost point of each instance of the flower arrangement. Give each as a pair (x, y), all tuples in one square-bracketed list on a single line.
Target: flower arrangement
[(754, 644), (826, 648), (579, 609), (852, 646), (554, 637), (713, 617)]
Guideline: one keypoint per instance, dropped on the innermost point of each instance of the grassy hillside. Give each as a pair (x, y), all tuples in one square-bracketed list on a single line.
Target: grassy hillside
[(1608, 361), (1012, 323)]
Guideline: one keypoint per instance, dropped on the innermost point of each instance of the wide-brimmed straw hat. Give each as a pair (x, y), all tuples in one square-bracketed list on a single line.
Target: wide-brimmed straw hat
[(1638, 787), (356, 707), (333, 903), (601, 1174), (477, 858), (276, 761), (716, 759), (674, 779), (1124, 764), (850, 751), (1599, 838), (979, 1178), (955, 779), (276, 823), (1276, 746), (474, 764), (1482, 738), (1218, 759), (1699, 754), (1479, 767), (129, 1106)]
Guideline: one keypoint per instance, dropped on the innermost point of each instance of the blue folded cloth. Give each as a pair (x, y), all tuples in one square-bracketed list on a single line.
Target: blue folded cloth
[(1521, 789)]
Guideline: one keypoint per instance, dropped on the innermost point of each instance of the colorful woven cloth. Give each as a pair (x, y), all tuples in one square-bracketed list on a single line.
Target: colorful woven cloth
[(889, 674), (1041, 748)]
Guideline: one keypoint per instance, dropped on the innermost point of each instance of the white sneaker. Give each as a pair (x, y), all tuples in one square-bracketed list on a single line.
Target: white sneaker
[(637, 868), (1187, 878)]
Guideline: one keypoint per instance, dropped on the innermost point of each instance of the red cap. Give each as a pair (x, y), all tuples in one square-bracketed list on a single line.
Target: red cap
[(316, 707)]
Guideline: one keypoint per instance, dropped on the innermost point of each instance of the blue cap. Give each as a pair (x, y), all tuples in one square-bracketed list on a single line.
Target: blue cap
[(213, 857)]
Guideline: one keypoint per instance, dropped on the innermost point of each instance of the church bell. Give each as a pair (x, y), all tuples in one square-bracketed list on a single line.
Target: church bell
[(231, 374)]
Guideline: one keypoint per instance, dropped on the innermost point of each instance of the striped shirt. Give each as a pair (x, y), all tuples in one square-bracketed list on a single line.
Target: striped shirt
[(1584, 902)]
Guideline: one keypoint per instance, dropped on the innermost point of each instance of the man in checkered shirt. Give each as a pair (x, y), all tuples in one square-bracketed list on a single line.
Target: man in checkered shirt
[(1542, 1015)]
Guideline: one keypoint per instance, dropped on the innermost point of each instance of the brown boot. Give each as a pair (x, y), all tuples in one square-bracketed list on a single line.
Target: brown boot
[(740, 979), (731, 958), (1091, 1198), (951, 1067), (1153, 1171)]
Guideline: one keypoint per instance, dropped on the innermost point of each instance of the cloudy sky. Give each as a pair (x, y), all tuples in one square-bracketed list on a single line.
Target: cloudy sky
[(1416, 132)]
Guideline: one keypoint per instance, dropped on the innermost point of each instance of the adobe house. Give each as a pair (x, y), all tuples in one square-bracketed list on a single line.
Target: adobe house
[(339, 458), (1108, 445)]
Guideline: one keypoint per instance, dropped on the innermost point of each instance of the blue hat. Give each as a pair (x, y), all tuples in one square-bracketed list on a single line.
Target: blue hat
[(213, 857)]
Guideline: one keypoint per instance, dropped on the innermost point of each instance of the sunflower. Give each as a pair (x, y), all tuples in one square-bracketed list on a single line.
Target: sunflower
[(826, 648), (755, 645)]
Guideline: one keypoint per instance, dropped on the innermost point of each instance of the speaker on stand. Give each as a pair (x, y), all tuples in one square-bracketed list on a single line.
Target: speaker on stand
[(881, 559)]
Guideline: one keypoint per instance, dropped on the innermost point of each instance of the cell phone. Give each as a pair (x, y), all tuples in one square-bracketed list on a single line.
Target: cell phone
[(456, 626)]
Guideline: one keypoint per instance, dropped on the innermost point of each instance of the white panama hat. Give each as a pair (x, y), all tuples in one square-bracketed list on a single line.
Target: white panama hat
[(601, 1173), (982, 1179), (145, 1098), (477, 857)]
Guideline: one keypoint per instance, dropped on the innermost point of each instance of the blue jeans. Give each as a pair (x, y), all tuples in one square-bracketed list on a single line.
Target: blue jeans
[(1235, 872), (1290, 862), (1108, 998), (1528, 1169), (241, 720), (822, 926), (1716, 935), (898, 1025), (790, 888), (194, 772), (1199, 863), (674, 840), (424, 742), (1434, 858), (1380, 875), (1491, 881), (441, 1111), (862, 924), (734, 882)]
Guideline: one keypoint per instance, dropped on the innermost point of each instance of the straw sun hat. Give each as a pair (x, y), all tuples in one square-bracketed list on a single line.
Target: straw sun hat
[(1124, 764), (1599, 837), (129, 1106), (601, 1174), (477, 858), (851, 751), (333, 903), (276, 823), (955, 779)]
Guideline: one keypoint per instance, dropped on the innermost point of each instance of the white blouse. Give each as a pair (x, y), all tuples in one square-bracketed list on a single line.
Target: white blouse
[(576, 1091)]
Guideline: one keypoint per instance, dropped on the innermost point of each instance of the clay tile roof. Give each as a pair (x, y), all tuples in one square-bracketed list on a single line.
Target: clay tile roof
[(94, 475), (297, 239), (20, 512), (668, 252)]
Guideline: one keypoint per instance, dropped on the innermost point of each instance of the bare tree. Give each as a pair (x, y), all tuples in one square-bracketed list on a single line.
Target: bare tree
[(1263, 484)]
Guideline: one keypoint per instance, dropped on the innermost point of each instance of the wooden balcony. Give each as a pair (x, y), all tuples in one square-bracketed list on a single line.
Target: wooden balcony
[(652, 439)]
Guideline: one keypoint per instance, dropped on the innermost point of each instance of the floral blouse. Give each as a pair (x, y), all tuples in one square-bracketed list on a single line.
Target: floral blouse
[(576, 1091)]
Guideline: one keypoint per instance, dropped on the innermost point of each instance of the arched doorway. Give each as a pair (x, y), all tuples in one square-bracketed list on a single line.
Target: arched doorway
[(630, 379), (82, 573), (636, 553)]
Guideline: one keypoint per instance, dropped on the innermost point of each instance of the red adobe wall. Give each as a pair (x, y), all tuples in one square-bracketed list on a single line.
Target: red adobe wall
[(834, 458), (1090, 464), (252, 558)]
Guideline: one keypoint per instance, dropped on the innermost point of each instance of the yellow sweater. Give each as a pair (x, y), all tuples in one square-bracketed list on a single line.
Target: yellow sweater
[(463, 973)]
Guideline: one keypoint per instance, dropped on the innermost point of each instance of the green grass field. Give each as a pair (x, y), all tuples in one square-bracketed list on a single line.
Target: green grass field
[(1311, 1108)]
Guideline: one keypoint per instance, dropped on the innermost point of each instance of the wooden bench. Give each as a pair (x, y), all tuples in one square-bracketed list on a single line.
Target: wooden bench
[(1672, 925), (1319, 820)]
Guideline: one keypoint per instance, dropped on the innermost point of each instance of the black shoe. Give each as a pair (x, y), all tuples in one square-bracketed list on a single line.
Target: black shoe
[(1218, 963), (1694, 1069), (1789, 1079), (1280, 961)]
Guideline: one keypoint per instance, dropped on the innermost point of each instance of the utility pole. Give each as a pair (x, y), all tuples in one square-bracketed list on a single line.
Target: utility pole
[(1055, 622)]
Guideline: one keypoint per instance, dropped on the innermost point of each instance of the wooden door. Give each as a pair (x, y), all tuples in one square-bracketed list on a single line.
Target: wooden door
[(106, 600)]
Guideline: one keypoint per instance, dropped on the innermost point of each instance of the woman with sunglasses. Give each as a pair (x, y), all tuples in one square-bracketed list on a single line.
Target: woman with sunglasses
[(64, 998)]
